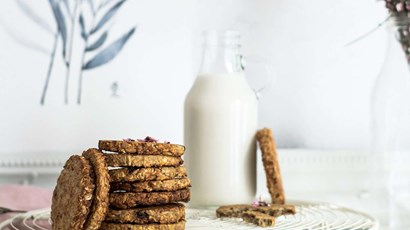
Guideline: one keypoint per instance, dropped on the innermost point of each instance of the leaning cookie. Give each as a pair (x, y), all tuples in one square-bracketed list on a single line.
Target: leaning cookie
[(150, 186), (271, 165), (125, 200), (115, 226), (100, 204), (160, 214), (143, 148), (73, 194), (145, 161)]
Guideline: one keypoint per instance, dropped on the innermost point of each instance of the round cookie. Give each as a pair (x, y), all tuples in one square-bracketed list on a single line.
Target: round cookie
[(100, 203), (125, 200), (114, 226), (73, 194), (162, 214), (145, 161), (150, 186), (147, 174), (143, 148)]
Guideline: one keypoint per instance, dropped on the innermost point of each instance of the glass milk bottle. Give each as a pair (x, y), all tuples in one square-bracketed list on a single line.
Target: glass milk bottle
[(220, 125)]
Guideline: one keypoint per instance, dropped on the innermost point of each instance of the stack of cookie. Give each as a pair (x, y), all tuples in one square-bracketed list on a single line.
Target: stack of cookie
[(132, 185), (146, 185)]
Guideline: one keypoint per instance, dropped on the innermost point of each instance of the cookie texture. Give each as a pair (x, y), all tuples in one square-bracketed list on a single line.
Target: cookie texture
[(150, 186), (147, 174), (73, 194), (145, 161), (114, 226), (100, 204), (259, 219), (238, 210), (143, 148), (278, 210), (271, 165), (164, 214), (125, 200)]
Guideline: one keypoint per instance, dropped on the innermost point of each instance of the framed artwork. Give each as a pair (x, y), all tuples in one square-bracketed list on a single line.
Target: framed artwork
[(76, 71)]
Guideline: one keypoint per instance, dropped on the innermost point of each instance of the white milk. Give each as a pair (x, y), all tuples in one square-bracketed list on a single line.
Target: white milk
[(220, 127)]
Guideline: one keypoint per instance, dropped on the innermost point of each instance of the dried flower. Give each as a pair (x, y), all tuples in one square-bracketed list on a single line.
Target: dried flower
[(260, 203), (148, 139), (408, 5), (399, 7), (128, 139), (400, 12), (151, 139), (255, 204)]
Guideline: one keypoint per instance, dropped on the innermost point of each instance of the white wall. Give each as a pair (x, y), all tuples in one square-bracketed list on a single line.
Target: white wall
[(319, 98)]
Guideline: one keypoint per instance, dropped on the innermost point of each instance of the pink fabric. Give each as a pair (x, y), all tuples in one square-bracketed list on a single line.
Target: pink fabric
[(24, 197)]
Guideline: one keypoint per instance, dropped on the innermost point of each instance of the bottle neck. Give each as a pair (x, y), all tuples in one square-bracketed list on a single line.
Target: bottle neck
[(221, 53)]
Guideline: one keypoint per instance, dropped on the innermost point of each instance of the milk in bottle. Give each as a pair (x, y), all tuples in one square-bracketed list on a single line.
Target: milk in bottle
[(219, 126)]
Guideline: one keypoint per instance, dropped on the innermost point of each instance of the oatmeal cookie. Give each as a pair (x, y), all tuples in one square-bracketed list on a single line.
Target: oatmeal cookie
[(145, 161), (258, 218), (73, 194), (114, 226), (160, 214), (147, 174), (125, 200), (143, 148), (100, 204), (150, 186), (239, 209), (271, 165)]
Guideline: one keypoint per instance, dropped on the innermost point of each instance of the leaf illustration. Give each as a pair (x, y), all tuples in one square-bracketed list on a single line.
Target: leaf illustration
[(91, 2), (34, 16), (103, 4), (82, 26), (68, 8), (67, 5), (108, 16), (110, 52), (60, 23), (97, 44)]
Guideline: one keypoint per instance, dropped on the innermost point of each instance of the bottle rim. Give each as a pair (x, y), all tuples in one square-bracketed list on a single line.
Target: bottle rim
[(221, 38)]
